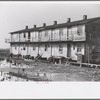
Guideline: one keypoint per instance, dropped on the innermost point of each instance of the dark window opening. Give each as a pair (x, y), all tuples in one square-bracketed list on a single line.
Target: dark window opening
[(39, 35), (15, 47), (60, 48), (79, 30), (52, 33), (28, 35), (24, 35), (23, 48), (73, 47), (33, 47), (46, 47), (79, 48)]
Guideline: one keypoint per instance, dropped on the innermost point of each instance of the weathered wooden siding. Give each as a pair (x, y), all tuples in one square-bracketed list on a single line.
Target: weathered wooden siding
[(56, 52), (74, 51), (92, 39), (52, 48), (22, 51), (15, 49), (78, 36), (45, 53), (15, 37)]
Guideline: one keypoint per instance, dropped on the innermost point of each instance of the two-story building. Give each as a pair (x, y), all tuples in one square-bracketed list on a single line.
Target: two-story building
[(68, 40)]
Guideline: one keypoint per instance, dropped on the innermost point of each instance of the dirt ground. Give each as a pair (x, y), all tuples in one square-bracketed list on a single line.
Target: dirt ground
[(56, 72)]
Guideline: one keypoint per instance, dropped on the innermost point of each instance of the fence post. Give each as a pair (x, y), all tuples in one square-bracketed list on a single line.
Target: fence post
[(80, 64)]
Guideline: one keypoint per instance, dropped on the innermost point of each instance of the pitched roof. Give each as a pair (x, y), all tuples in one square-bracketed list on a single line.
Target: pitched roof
[(79, 22)]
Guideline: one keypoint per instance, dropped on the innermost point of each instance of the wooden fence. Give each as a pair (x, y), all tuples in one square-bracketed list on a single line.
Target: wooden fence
[(85, 64)]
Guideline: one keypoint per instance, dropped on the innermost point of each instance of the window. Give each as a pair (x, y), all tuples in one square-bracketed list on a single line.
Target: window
[(74, 47), (39, 35), (28, 35), (24, 35), (15, 47), (60, 31), (23, 48), (46, 33), (60, 48), (33, 47), (52, 33), (79, 30), (79, 48), (69, 30), (46, 47)]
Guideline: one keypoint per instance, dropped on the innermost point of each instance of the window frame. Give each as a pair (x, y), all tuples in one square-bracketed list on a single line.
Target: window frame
[(46, 33), (73, 47), (79, 47), (24, 35), (46, 47), (60, 31), (60, 48), (34, 48), (79, 30), (15, 47), (24, 48)]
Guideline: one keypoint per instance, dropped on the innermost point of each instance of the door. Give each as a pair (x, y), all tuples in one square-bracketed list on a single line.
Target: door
[(28, 36), (68, 50)]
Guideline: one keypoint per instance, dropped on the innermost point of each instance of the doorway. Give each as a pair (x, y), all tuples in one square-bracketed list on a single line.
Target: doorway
[(68, 50)]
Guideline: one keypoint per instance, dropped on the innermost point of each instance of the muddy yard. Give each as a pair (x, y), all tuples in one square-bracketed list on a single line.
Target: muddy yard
[(54, 72)]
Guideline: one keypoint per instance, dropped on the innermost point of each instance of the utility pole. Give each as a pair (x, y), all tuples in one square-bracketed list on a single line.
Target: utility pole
[(18, 73), (89, 49), (88, 55)]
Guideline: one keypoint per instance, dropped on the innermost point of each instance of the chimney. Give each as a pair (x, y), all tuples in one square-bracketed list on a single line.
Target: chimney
[(55, 22), (68, 20), (26, 27), (44, 24), (84, 17), (34, 26)]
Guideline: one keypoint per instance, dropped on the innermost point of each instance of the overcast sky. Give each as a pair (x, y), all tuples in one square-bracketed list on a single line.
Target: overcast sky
[(16, 15)]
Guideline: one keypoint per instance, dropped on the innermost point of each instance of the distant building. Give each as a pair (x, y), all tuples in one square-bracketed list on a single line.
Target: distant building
[(68, 40)]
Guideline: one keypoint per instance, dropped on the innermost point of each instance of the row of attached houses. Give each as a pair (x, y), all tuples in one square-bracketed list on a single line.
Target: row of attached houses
[(60, 40)]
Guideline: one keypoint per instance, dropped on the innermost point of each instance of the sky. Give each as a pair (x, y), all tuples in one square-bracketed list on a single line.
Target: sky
[(16, 15)]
